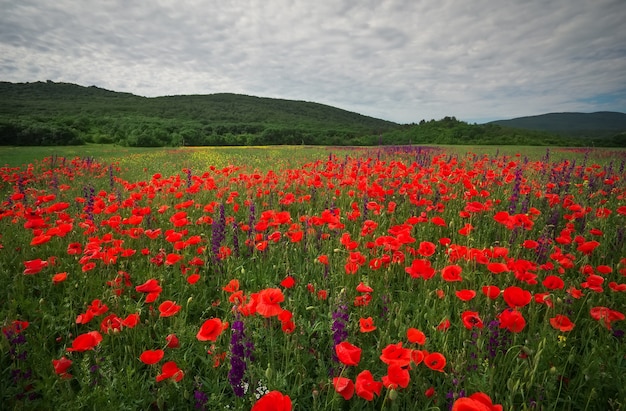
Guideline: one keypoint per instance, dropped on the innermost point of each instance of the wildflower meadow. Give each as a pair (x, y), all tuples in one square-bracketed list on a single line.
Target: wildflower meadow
[(429, 278)]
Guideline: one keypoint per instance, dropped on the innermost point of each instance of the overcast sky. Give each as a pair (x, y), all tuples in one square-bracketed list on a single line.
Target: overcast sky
[(404, 61)]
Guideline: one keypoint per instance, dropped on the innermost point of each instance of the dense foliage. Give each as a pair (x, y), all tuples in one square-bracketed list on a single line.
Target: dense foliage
[(314, 279), (67, 114), (102, 116)]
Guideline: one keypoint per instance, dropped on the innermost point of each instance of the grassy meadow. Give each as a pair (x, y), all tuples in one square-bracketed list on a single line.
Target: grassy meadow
[(313, 278)]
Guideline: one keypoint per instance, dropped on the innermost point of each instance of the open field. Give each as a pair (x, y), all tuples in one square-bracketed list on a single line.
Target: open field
[(341, 278)]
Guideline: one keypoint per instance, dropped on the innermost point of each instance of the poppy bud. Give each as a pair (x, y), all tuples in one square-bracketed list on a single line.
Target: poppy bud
[(268, 372), (393, 394)]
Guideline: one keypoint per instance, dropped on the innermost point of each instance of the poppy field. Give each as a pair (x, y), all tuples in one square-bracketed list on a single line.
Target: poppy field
[(411, 277)]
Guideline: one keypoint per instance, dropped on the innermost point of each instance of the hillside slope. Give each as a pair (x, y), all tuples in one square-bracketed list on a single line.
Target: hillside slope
[(100, 115), (599, 124)]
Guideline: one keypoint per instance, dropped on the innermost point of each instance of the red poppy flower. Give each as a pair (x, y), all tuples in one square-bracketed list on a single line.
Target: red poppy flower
[(491, 291), (172, 341), (562, 323), (74, 248), (497, 268), (443, 325), (426, 249), (543, 298), (429, 392), (467, 228), (40, 239), (438, 221), (232, 286), (131, 321), (452, 273), (420, 268), (150, 286), (273, 401), (465, 295), (288, 282), (61, 366), (172, 259), (476, 402), (366, 387), (512, 320), (348, 354), (288, 327), (170, 370), (606, 314), (552, 282), (575, 293), (362, 288), (587, 247), (261, 245), (323, 259), (88, 267), (210, 330), (86, 342), (471, 319), (150, 357), (530, 244), (344, 387), (416, 336), (397, 376), (417, 356), (34, 266), (168, 308), (395, 354), (111, 323), (366, 325), (268, 302), (285, 315), (435, 361), (516, 296), (59, 278)]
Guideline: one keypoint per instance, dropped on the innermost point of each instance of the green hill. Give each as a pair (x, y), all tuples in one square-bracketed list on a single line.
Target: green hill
[(602, 124), (50, 113)]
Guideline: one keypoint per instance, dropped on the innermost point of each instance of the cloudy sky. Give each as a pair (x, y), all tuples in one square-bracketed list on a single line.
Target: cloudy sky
[(399, 60)]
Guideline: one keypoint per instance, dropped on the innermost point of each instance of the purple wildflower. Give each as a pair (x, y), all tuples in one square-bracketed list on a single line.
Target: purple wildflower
[(340, 320), (239, 355)]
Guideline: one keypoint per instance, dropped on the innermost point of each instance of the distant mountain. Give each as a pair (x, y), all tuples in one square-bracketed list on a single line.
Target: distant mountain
[(600, 124)]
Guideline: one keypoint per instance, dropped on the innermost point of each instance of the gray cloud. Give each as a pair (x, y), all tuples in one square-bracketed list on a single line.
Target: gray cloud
[(398, 60)]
